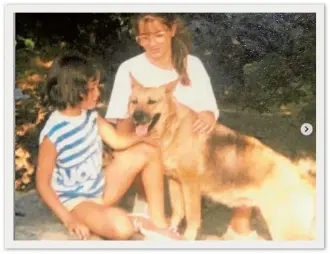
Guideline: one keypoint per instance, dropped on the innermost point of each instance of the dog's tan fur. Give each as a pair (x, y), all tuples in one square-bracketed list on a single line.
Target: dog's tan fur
[(230, 168)]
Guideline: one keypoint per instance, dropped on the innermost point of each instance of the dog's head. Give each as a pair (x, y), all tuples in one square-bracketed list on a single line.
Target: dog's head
[(148, 105)]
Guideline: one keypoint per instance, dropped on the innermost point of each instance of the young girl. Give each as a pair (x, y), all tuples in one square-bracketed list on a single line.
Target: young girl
[(70, 178)]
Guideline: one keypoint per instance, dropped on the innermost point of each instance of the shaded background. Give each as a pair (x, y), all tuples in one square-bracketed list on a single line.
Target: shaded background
[(269, 57)]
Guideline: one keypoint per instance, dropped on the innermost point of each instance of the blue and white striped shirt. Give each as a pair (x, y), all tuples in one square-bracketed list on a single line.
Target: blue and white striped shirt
[(78, 171)]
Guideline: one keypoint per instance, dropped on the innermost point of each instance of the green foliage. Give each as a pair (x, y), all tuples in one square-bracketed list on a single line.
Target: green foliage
[(28, 42), (271, 82), (267, 82), (257, 60)]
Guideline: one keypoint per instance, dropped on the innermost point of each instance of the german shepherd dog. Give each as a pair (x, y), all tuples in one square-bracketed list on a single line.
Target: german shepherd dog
[(230, 168)]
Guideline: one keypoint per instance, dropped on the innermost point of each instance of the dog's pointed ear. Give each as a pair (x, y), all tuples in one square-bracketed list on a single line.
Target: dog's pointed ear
[(134, 82), (169, 87)]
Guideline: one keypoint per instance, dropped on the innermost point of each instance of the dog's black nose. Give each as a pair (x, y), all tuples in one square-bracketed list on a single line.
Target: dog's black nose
[(140, 117)]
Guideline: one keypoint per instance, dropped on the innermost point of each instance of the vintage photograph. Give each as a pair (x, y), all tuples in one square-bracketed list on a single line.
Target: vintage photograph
[(165, 126)]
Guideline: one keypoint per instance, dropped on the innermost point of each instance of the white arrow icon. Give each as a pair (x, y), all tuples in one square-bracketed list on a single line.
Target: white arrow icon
[(306, 129)]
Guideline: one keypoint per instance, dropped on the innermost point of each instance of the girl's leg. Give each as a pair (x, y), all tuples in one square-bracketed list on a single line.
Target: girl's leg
[(107, 222), (126, 165), (115, 223)]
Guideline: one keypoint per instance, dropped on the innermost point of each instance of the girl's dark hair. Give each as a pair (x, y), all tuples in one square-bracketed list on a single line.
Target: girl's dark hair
[(67, 80), (181, 41)]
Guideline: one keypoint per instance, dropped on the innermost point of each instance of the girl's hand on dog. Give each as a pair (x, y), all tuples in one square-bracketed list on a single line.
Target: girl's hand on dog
[(77, 228), (204, 123), (153, 138)]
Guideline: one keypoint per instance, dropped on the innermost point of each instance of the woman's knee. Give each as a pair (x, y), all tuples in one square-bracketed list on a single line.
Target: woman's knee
[(147, 152), (136, 157)]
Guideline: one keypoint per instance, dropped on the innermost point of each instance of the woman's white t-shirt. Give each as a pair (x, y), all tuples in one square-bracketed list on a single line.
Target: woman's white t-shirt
[(199, 96)]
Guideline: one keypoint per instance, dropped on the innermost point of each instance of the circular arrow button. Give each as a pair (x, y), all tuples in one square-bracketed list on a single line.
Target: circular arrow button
[(306, 129)]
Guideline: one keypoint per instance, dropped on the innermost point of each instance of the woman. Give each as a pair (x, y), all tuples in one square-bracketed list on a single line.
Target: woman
[(166, 57)]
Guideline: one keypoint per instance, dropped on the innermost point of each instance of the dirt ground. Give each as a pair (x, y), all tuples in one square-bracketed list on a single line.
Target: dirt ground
[(279, 129)]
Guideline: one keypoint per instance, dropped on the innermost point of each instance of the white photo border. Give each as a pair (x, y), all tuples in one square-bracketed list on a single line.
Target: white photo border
[(9, 51)]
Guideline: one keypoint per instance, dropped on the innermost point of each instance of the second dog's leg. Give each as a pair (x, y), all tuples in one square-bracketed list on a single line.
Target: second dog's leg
[(240, 227), (241, 220), (192, 202)]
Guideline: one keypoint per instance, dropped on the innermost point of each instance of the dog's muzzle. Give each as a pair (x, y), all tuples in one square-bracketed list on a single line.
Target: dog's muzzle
[(141, 117), (144, 122)]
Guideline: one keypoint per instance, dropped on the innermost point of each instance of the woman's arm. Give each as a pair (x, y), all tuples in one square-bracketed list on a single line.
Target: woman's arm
[(206, 101), (205, 122), (117, 106), (119, 98)]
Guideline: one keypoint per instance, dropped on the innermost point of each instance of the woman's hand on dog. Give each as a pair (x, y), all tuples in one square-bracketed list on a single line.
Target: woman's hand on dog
[(204, 123)]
